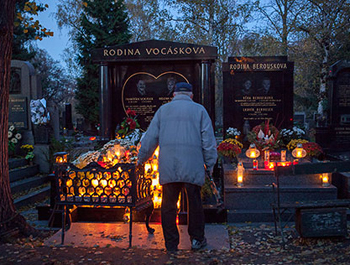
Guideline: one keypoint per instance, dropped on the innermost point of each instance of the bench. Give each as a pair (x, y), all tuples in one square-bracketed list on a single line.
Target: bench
[(313, 218), (123, 185)]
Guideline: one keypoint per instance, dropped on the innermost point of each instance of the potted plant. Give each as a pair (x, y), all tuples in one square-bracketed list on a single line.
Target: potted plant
[(29, 153)]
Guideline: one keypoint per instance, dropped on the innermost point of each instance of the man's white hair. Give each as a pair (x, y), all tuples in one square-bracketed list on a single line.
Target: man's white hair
[(183, 93)]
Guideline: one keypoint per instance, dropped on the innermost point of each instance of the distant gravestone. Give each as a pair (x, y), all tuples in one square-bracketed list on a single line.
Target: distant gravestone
[(141, 76), (18, 112), (339, 89), (257, 89), (24, 86)]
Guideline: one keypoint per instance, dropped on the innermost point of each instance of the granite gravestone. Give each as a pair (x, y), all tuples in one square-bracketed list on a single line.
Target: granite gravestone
[(141, 77), (23, 87), (257, 89), (339, 98)]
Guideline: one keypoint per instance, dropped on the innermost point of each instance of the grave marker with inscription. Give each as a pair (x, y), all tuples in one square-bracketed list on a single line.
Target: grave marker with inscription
[(257, 89), (339, 89), (141, 76), (18, 112)]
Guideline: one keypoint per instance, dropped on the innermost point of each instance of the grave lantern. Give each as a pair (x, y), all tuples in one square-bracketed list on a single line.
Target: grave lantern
[(240, 174), (61, 157), (253, 153), (299, 151), (325, 179)]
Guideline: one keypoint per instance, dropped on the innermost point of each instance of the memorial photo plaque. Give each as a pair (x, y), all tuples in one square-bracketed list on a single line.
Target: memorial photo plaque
[(257, 89)]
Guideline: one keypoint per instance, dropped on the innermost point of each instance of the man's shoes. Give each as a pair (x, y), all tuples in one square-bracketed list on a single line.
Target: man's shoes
[(172, 251), (197, 244)]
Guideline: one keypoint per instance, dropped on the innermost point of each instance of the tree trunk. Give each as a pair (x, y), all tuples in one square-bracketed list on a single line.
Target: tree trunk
[(9, 219)]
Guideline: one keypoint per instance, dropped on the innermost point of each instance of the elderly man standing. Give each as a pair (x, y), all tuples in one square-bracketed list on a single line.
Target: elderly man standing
[(187, 146)]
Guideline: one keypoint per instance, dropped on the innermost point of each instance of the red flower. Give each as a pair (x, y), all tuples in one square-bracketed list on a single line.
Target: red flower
[(131, 113), (132, 125)]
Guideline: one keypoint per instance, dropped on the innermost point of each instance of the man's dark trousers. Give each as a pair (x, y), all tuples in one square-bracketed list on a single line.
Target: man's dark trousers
[(195, 214)]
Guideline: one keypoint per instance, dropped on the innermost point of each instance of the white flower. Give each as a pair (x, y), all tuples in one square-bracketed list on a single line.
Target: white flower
[(261, 135), (14, 140), (9, 135), (12, 128), (18, 136)]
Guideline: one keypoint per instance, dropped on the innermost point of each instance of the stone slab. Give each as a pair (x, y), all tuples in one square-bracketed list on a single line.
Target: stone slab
[(117, 235)]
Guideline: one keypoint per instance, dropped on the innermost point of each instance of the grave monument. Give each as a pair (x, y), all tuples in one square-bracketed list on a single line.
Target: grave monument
[(141, 76), (257, 89), (339, 103)]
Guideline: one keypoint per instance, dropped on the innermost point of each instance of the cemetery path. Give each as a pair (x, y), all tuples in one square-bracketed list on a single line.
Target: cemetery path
[(249, 244)]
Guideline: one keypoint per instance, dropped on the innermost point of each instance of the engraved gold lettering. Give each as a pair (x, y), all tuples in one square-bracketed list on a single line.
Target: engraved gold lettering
[(195, 50), (202, 50), (137, 52), (105, 52), (170, 51), (181, 51), (148, 51), (188, 50), (163, 51), (130, 51), (176, 50), (119, 52), (155, 51)]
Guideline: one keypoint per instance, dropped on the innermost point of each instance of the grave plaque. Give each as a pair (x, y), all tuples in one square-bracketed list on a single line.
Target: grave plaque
[(141, 77), (18, 112), (340, 105), (257, 89)]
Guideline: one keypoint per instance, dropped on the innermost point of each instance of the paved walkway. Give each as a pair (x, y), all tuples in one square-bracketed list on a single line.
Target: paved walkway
[(117, 235)]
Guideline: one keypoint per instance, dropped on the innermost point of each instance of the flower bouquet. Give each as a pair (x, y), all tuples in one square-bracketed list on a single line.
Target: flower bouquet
[(38, 112), (312, 149), (232, 133), (13, 139), (264, 136), (129, 125), (29, 152), (230, 148), (293, 143), (286, 135)]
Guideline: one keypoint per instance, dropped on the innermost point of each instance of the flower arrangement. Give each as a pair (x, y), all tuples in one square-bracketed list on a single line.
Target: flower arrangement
[(13, 138), (286, 135), (293, 143), (29, 151), (128, 125), (38, 112), (113, 152), (264, 136), (232, 133), (230, 148), (312, 149)]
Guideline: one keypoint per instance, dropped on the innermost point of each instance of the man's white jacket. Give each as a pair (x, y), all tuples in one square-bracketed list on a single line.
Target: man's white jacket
[(184, 133)]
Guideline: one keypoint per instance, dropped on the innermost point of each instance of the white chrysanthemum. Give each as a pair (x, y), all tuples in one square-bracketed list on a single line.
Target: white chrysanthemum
[(18, 136), (14, 140), (9, 135), (11, 128)]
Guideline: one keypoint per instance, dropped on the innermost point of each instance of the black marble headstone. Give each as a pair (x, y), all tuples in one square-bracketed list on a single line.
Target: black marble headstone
[(141, 77), (18, 112), (340, 105), (257, 89)]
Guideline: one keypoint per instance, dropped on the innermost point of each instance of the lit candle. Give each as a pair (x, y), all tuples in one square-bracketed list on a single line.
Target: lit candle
[(240, 173), (283, 155), (147, 167), (325, 180)]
